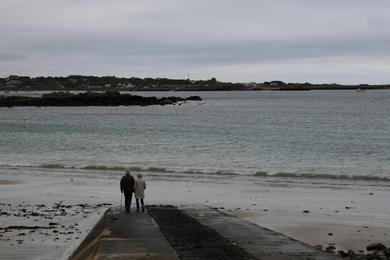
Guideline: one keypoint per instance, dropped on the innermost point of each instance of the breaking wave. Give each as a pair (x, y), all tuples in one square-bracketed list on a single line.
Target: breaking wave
[(260, 174), (322, 176), (52, 166)]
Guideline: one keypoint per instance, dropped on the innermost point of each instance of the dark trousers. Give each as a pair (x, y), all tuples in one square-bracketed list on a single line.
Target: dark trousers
[(128, 197), (142, 204)]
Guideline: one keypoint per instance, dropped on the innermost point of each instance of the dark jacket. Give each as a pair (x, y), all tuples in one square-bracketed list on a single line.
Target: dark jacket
[(127, 184)]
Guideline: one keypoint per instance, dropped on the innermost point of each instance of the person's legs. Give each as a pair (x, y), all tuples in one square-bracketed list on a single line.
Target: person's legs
[(137, 202), (127, 202), (142, 204), (130, 199)]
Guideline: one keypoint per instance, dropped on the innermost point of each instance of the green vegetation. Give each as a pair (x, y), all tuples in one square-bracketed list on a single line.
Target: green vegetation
[(77, 82)]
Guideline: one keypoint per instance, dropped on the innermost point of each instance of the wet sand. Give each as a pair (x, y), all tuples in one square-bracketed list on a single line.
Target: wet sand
[(356, 213), (9, 182), (45, 231)]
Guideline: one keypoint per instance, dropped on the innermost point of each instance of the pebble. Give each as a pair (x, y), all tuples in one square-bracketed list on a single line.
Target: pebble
[(330, 248), (376, 246)]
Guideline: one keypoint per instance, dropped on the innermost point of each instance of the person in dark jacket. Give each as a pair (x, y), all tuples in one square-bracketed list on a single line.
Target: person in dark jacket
[(127, 188)]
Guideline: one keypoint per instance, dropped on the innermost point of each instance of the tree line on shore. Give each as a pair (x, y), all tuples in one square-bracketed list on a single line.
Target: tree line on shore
[(78, 82)]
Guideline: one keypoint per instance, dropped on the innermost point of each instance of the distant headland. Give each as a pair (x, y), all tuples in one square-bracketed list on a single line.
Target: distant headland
[(78, 82)]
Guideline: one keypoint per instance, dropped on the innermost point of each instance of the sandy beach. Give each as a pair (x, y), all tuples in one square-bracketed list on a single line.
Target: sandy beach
[(348, 214)]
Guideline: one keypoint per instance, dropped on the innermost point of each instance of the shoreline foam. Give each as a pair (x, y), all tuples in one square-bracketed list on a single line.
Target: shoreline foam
[(162, 170)]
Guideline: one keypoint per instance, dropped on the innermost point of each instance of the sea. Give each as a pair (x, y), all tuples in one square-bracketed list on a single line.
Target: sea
[(341, 134)]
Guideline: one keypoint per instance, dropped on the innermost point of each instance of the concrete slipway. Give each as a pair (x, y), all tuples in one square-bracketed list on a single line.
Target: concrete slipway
[(137, 236)]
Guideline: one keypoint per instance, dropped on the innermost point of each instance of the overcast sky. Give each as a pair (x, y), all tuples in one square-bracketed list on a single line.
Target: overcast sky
[(343, 41)]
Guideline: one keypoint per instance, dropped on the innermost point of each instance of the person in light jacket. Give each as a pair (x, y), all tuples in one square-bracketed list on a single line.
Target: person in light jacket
[(139, 191)]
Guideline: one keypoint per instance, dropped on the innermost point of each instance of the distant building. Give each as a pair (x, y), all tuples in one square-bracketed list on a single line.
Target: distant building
[(13, 82), (95, 87), (250, 84), (277, 83)]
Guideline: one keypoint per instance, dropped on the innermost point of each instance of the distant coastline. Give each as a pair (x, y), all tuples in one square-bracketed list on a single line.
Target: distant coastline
[(95, 83)]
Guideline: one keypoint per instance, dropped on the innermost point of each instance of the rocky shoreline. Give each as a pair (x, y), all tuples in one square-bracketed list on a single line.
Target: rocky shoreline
[(376, 251), (107, 98), (43, 222)]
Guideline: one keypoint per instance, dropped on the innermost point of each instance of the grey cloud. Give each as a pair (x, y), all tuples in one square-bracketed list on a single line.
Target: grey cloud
[(192, 35), (10, 56)]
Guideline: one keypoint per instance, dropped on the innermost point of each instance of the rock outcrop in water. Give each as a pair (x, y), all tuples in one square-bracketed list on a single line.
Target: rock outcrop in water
[(107, 98)]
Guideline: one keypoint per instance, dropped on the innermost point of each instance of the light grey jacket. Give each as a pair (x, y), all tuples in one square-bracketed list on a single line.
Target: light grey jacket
[(139, 188)]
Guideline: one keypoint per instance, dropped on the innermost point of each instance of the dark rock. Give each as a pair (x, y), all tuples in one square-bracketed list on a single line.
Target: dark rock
[(330, 248), (342, 253), (306, 211), (376, 246), (330, 234), (107, 98), (380, 255), (7, 229), (350, 252), (194, 98)]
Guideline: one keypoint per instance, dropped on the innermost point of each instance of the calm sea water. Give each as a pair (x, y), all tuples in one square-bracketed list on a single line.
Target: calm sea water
[(315, 132)]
